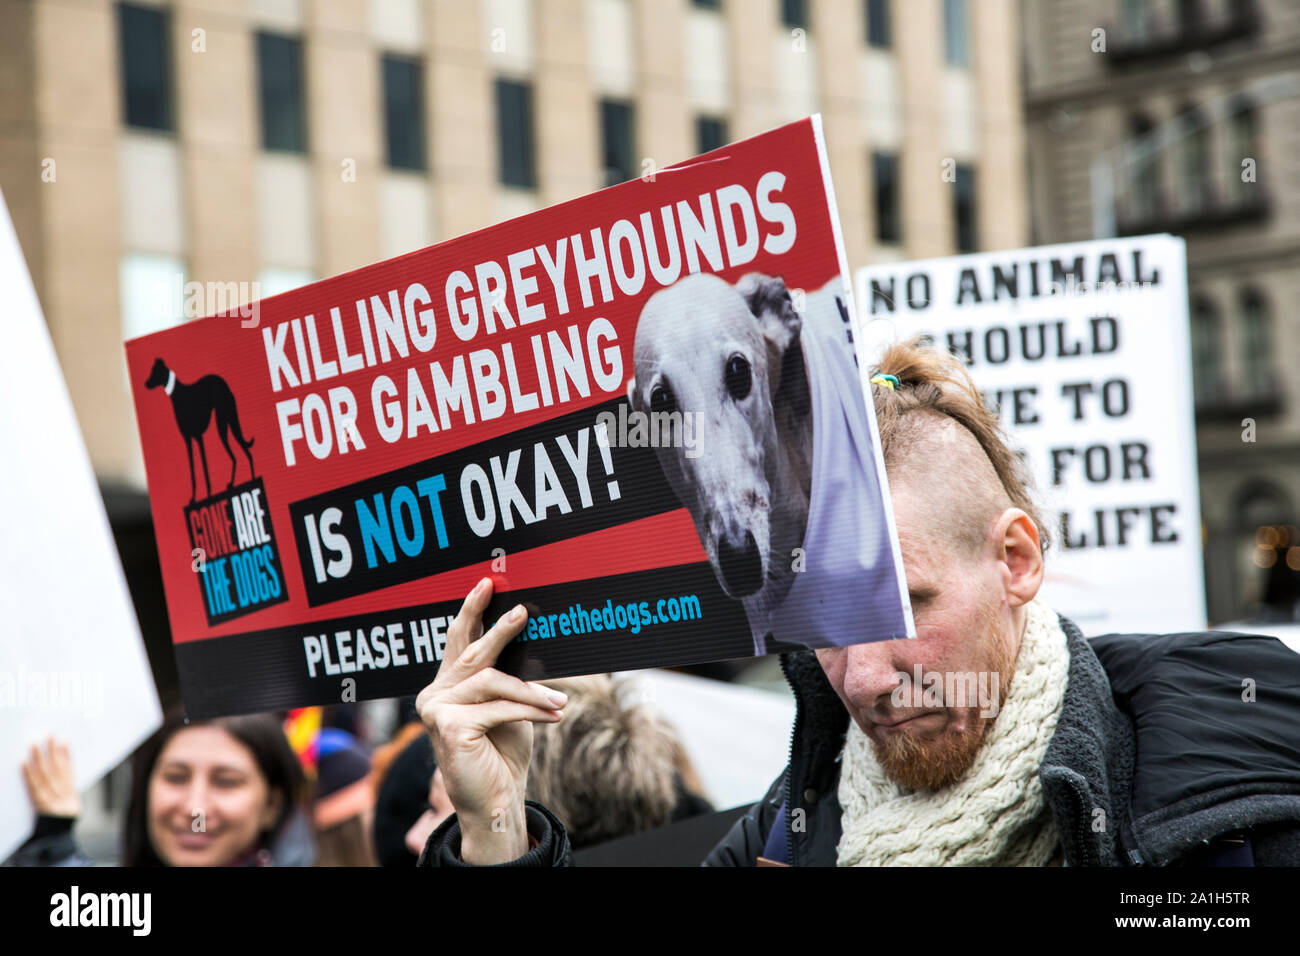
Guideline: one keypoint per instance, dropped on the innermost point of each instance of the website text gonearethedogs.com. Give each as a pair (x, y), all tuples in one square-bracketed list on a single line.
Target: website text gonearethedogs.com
[(424, 640), (631, 617)]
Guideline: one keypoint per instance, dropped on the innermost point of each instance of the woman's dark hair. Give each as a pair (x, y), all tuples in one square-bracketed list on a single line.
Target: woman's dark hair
[(402, 794), (262, 734)]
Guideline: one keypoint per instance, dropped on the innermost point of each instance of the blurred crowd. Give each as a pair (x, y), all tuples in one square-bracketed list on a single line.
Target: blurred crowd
[(314, 787)]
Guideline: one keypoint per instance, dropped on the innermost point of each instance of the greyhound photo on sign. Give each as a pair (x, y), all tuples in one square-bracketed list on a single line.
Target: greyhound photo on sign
[(783, 490), (479, 408)]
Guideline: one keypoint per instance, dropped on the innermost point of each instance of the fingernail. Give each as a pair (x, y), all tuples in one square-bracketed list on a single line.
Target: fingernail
[(517, 614), (478, 588), (556, 698)]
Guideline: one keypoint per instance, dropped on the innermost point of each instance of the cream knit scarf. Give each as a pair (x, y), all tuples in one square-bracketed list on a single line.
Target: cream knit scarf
[(995, 815)]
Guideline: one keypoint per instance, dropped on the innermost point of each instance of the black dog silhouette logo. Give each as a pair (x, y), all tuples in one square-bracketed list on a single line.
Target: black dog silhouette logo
[(196, 406), (232, 539)]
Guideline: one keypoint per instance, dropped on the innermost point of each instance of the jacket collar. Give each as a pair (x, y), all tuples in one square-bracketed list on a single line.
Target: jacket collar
[(1210, 757), (820, 720), (1087, 771)]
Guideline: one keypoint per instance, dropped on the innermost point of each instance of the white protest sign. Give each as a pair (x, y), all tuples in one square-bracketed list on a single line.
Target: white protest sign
[(1083, 349), (72, 664)]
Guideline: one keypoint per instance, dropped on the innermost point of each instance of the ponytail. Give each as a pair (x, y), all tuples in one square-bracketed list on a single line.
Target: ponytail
[(929, 380)]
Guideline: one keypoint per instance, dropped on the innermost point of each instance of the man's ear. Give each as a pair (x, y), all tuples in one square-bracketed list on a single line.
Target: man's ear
[(769, 300), (631, 392), (1020, 555)]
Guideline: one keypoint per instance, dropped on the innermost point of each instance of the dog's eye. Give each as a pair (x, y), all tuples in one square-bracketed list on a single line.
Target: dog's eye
[(662, 399), (738, 377)]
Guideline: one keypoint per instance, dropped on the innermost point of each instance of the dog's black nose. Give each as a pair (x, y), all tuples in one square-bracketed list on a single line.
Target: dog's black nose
[(742, 566)]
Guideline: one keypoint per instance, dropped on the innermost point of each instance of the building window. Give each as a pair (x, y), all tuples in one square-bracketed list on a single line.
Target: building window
[(1205, 351), (619, 155), (1243, 144), (884, 180), (1190, 19), (1256, 346), (272, 281), (146, 67), (1193, 161), (1144, 191), (1134, 16), (710, 134), (515, 134), (964, 214), (153, 294), (404, 112), (794, 14), (1268, 552), (956, 32), (279, 75), (878, 26)]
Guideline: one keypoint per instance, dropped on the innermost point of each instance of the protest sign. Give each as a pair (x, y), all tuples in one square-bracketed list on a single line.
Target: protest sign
[(1083, 349), (639, 411), (71, 652)]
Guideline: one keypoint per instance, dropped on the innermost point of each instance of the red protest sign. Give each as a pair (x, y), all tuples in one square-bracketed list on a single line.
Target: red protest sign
[(639, 411)]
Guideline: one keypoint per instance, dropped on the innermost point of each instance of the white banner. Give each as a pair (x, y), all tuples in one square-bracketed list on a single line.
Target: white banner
[(1083, 348), (72, 664)]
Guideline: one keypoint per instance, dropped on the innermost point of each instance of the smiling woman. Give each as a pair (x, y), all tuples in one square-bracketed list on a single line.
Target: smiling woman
[(226, 792), (219, 793)]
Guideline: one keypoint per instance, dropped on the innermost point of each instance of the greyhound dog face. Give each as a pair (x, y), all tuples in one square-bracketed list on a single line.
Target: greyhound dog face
[(716, 351), (157, 375)]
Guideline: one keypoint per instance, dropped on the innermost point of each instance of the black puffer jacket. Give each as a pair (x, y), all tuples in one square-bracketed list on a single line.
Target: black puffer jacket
[(1180, 749)]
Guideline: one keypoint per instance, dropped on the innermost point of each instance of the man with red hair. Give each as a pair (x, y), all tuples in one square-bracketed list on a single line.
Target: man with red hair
[(1120, 750)]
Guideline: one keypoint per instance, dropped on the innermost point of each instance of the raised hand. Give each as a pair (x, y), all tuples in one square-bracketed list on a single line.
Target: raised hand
[(480, 720), (50, 781)]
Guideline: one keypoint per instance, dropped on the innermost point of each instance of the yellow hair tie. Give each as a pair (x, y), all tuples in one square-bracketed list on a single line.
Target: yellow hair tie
[(889, 381)]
